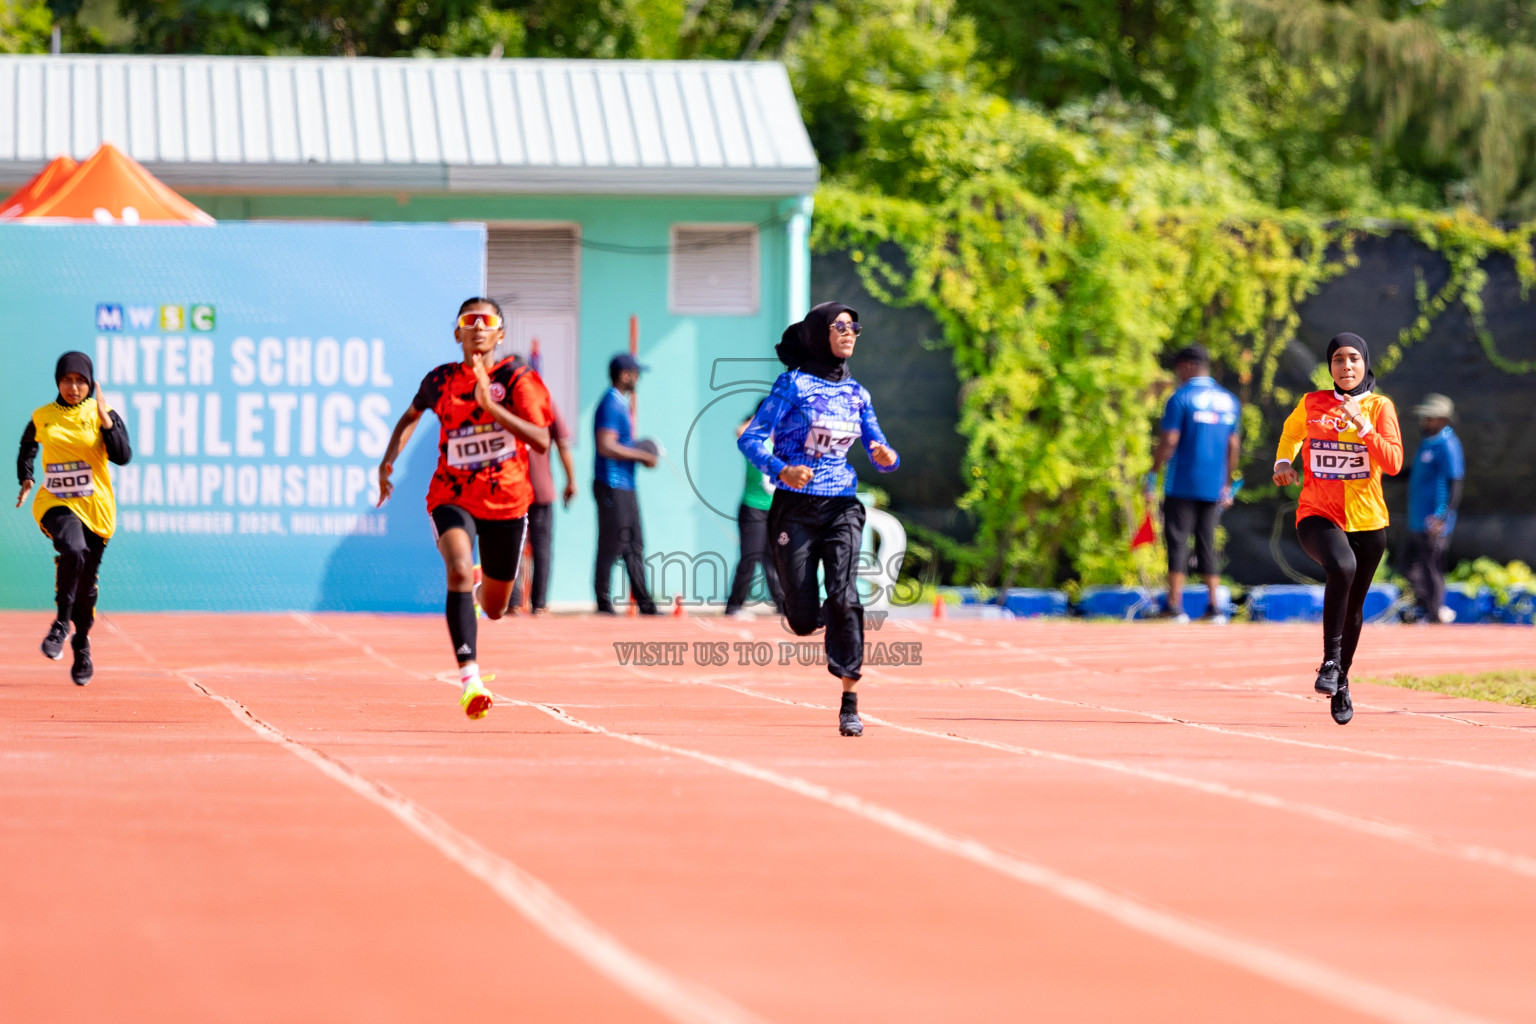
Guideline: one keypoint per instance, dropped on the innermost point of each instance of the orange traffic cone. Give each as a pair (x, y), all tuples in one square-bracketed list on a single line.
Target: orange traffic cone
[(677, 606), (632, 611), (938, 606)]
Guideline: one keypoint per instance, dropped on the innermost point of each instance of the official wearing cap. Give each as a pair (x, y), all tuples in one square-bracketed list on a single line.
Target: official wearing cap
[(613, 487), (1434, 492), (1198, 440)]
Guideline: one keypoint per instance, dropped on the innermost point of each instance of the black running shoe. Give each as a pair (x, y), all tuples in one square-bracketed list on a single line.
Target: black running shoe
[(848, 724), (1341, 707), (1328, 675), (53, 643), (82, 670)]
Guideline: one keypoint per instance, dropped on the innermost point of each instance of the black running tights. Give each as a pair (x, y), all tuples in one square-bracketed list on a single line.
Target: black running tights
[(807, 532), (79, 559), (1350, 559)]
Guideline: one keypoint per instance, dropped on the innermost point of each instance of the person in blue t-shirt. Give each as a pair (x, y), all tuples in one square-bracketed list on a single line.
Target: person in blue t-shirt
[(814, 415), (613, 487), (1199, 443), (1434, 492)]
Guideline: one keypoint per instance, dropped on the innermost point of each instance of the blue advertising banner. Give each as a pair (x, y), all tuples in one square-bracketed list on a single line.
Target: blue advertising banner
[(260, 368)]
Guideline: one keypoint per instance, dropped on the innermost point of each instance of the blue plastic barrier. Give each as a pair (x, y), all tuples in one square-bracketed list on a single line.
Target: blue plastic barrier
[(1196, 600), (1286, 602), (1378, 599), (1028, 602), (1520, 607), (1113, 602), (1471, 604)]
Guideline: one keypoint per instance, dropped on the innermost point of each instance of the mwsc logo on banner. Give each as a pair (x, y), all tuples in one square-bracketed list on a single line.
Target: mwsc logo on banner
[(110, 316)]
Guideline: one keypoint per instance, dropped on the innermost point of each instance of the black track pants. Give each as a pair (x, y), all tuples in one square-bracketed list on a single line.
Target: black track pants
[(752, 524), (79, 560), (1422, 557), (805, 532), (618, 537), (1350, 560), (541, 521)]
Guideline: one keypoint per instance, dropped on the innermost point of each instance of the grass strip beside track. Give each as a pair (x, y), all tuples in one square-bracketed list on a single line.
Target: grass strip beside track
[(1511, 686)]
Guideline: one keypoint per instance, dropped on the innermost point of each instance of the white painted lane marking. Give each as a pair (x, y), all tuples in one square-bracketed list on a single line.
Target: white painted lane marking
[(1058, 659), (1261, 686), (1321, 981), (1517, 863), (650, 984), (1479, 766)]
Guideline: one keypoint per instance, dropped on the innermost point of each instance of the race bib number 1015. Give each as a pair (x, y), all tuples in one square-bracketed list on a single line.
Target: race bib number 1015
[(1338, 460), (68, 479), (480, 445)]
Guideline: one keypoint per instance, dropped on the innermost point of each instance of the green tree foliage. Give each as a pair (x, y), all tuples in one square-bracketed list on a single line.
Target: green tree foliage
[(1064, 251), (1062, 255), (1056, 51), (539, 28), (24, 27)]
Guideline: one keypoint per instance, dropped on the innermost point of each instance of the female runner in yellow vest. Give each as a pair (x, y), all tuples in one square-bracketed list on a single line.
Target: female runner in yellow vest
[(74, 505)]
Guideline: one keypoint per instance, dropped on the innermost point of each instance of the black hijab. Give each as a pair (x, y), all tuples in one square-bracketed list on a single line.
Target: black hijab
[(805, 345), (1354, 341), (75, 362)]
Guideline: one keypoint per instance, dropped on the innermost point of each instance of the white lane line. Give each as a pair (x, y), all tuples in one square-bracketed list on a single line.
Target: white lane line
[(1479, 766), (670, 996), (1487, 856), (1318, 980), (1499, 657), (1260, 686)]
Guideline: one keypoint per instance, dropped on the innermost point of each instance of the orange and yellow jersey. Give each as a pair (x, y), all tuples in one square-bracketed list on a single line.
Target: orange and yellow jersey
[(1341, 468)]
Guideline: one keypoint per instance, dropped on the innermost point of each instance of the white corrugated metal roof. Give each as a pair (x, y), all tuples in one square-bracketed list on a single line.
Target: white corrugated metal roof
[(472, 125)]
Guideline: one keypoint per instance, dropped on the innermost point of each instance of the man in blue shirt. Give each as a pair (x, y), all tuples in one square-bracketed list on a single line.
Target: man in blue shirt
[(1199, 444), (1434, 491), (613, 487)]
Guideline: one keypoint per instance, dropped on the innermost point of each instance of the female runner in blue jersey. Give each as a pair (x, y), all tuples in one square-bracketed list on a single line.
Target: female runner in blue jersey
[(814, 413)]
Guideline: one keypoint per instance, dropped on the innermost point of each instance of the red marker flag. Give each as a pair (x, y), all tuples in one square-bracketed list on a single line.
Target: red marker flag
[(1145, 534)]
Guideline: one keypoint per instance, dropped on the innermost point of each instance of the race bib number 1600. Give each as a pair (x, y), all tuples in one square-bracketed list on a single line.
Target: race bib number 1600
[(68, 479), (1338, 460), (480, 445)]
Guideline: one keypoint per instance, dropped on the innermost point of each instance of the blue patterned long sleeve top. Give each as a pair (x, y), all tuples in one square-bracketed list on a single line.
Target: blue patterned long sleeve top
[(814, 423)]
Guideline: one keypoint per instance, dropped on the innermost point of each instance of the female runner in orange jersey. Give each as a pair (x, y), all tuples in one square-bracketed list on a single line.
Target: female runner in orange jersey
[(1351, 438)]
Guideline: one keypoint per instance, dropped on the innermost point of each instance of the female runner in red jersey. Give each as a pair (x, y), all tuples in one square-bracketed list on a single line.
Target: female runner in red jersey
[(1346, 438), (487, 417)]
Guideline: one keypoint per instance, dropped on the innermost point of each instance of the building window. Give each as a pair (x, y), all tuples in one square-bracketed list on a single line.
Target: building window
[(714, 269)]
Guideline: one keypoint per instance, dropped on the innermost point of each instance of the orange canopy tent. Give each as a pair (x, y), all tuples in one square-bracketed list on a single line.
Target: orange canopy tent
[(44, 184), (111, 188)]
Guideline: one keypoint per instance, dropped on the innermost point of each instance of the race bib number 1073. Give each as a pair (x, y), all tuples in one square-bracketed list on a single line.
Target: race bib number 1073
[(1338, 460), (480, 445), (68, 479)]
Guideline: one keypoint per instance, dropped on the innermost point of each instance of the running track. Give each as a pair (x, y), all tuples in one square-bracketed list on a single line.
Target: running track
[(285, 818)]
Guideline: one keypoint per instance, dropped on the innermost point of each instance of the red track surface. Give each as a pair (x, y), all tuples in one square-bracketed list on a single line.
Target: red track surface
[(275, 818)]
